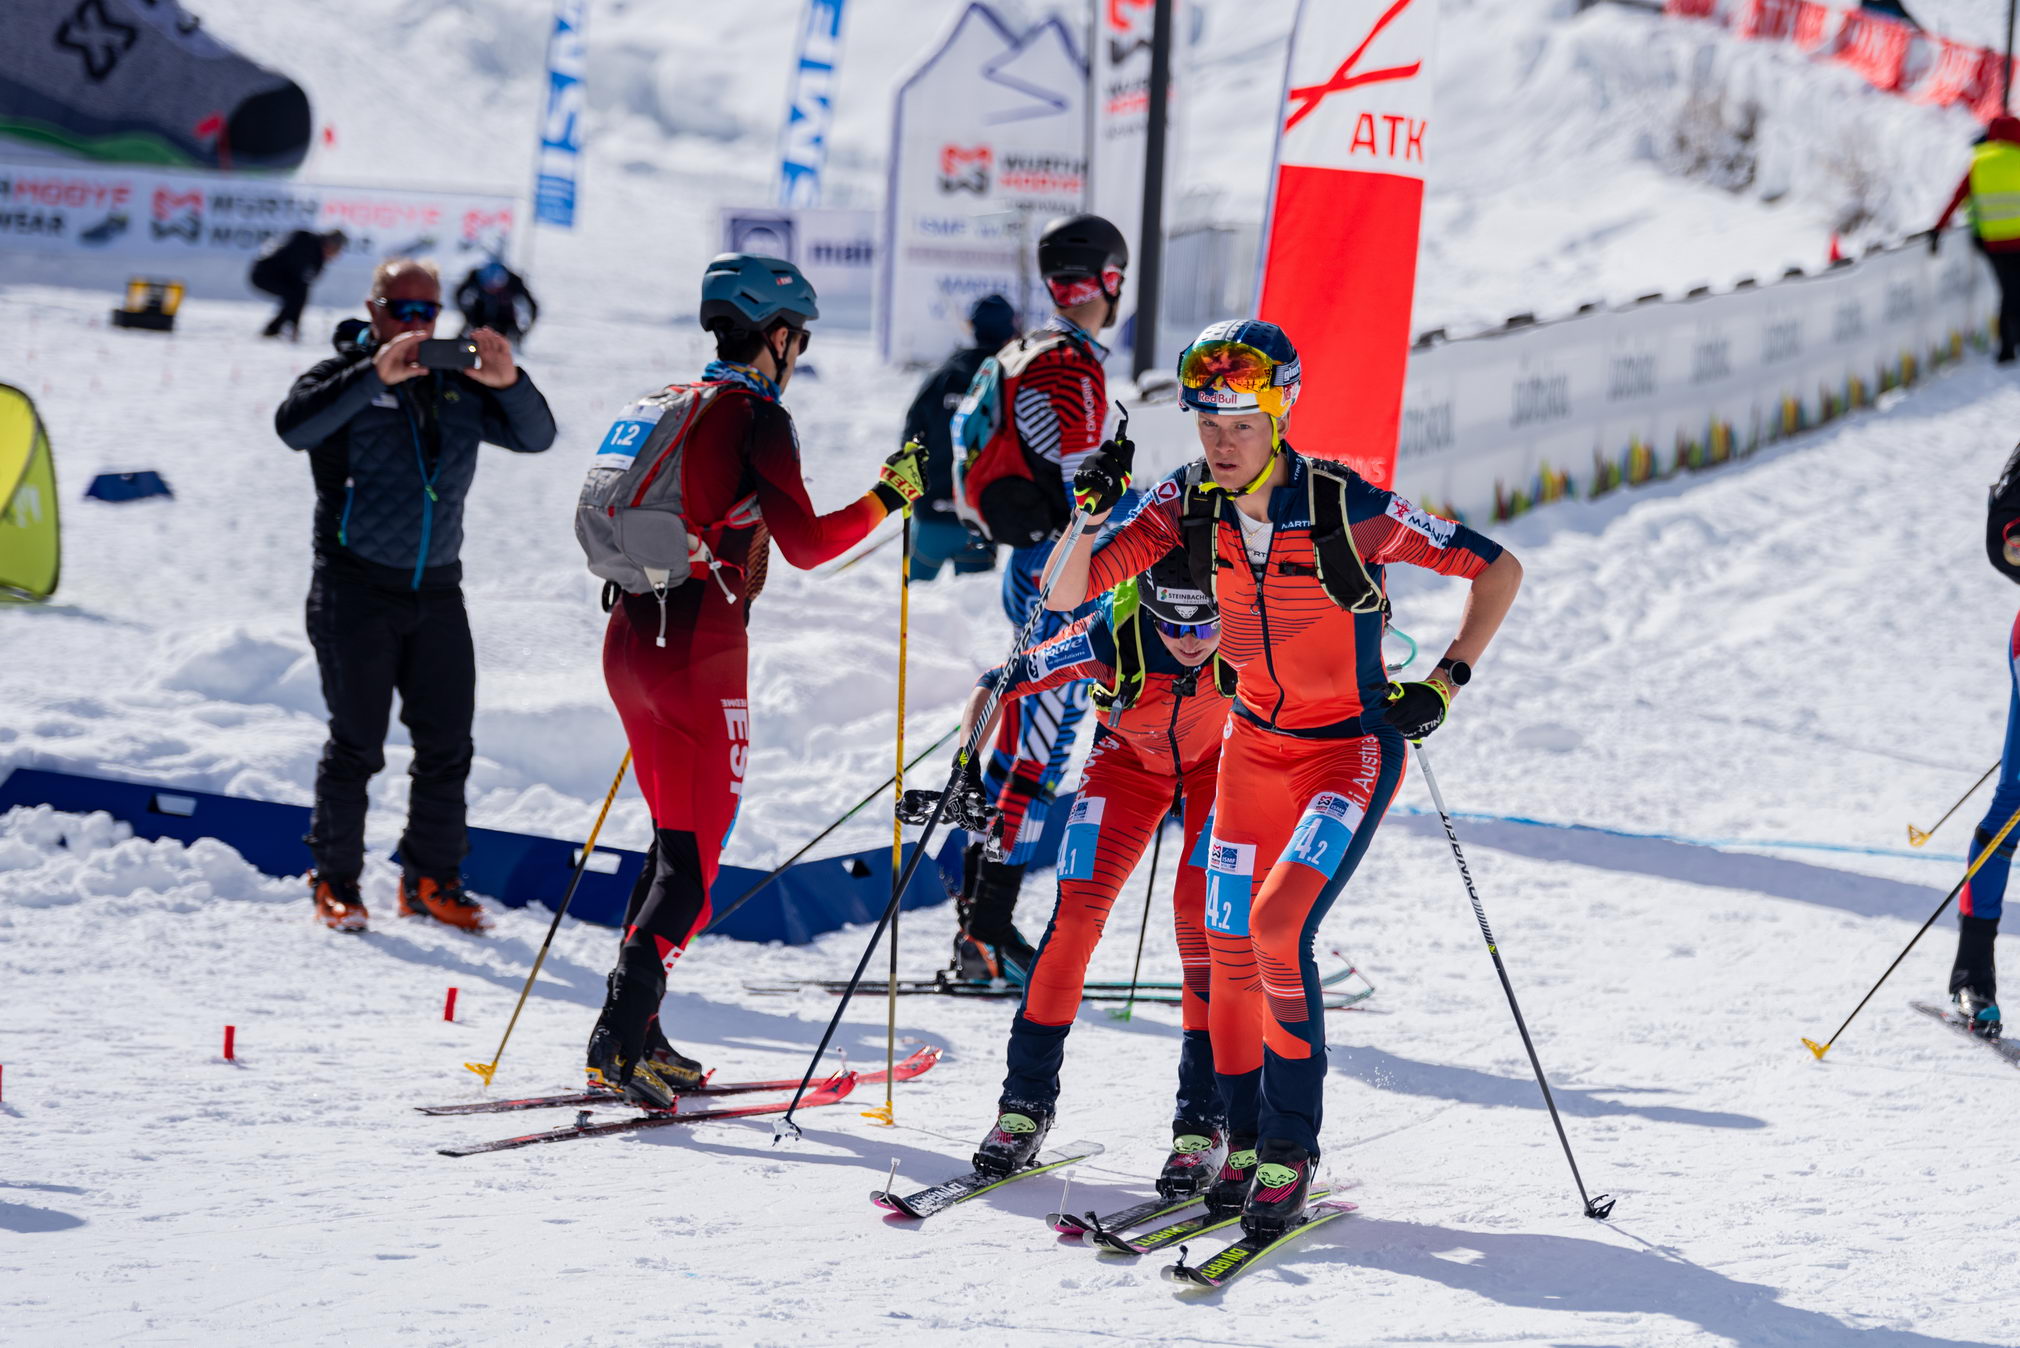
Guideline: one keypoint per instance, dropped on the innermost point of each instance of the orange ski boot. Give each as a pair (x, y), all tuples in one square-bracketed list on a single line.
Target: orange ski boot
[(338, 906), (425, 896)]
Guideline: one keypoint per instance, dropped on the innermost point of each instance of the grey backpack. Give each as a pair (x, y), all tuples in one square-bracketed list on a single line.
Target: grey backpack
[(630, 519)]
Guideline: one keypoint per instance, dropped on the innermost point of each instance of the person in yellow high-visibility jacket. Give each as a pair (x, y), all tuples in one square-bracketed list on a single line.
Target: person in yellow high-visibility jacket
[(1992, 186)]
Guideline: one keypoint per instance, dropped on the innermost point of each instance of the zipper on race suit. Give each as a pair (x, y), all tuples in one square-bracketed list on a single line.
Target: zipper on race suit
[(1260, 574)]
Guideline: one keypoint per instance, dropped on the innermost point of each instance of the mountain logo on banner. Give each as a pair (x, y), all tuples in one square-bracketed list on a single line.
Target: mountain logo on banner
[(1129, 28), (1306, 100), (177, 215), (966, 169)]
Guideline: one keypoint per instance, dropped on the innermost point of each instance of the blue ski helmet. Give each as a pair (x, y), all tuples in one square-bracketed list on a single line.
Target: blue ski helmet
[(748, 292), (1242, 365)]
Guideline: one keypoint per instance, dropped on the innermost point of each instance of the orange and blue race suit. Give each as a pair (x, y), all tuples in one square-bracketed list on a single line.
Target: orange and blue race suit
[(1307, 770), (1154, 756)]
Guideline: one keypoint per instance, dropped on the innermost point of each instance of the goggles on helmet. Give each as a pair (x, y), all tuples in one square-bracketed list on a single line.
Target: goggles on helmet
[(1236, 377)]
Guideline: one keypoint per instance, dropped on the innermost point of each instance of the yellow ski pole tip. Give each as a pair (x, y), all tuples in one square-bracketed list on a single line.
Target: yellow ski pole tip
[(1916, 837), (482, 1069), (1819, 1049), (882, 1114)]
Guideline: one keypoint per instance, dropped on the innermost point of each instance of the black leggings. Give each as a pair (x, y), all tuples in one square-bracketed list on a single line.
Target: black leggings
[(668, 902)]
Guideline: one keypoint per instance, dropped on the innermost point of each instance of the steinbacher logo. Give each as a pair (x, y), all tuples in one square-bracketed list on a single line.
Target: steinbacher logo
[(1305, 100)]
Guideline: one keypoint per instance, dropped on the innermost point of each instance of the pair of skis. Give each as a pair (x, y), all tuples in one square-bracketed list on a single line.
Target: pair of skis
[(945, 985), (2008, 1049), (1105, 1233), (832, 1091)]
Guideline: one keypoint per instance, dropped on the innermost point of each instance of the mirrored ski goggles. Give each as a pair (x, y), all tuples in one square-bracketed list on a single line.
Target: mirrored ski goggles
[(410, 311), (1189, 631), (1237, 369)]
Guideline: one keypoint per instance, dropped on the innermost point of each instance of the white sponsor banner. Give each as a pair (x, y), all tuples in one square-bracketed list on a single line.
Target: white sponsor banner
[(988, 141), (1119, 135), (835, 248), (171, 221), (1497, 423)]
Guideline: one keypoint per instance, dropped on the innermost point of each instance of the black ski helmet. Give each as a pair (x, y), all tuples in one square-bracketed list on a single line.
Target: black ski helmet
[(748, 292), (1081, 245), (1167, 591)]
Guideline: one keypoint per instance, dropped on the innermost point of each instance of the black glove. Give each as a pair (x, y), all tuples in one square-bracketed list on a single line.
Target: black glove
[(1935, 242), (1104, 476), (1416, 708), (968, 803)]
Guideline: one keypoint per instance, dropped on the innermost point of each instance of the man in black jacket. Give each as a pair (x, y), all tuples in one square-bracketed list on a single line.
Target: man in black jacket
[(494, 296), (938, 536), (287, 270), (393, 448)]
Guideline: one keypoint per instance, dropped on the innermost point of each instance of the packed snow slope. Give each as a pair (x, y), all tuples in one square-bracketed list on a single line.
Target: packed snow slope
[(1806, 646), (1575, 156)]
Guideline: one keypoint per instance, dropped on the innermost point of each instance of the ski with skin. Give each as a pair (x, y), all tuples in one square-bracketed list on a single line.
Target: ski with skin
[(961, 1188), (1092, 992), (1199, 1224), (1232, 1260), (704, 1091), (1087, 1224), (829, 1092), (2008, 1049)]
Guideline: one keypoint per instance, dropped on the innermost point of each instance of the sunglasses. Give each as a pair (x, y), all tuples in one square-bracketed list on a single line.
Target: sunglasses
[(1183, 631), (409, 311), (806, 338), (1236, 367)]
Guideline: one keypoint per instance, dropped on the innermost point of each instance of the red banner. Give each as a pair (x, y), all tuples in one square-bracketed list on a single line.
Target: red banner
[(1340, 242), (1876, 48)]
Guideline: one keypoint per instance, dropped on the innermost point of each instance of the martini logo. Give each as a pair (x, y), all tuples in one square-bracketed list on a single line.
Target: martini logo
[(1433, 530), (964, 169), (1305, 100), (177, 215)]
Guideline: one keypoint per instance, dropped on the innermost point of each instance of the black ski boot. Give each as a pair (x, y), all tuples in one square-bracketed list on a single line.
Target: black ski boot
[(668, 1062), (1015, 1141), (1229, 1189), (1974, 979), (989, 948), (617, 1059), (1197, 1153), (1276, 1196)]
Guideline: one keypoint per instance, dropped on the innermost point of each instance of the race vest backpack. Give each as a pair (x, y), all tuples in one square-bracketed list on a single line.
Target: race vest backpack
[(630, 519), (1125, 623), (2002, 521), (1001, 487)]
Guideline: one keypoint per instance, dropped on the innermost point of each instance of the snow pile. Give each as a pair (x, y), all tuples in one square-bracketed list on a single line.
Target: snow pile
[(49, 859)]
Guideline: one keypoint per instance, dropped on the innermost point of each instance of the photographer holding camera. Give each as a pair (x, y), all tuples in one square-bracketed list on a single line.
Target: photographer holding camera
[(392, 424)]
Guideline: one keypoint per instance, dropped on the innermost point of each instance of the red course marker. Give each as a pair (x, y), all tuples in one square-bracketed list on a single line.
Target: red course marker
[(230, 1034), (449, 1007)]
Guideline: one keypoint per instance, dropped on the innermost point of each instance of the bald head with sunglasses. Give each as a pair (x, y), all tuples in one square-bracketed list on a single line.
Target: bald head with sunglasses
[(406, 299)]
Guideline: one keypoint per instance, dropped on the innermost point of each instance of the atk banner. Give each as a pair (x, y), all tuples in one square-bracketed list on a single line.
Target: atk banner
[(1339, 263), (1119, 136), (554, 176), (988, 141), (167, 217), (803, 140)]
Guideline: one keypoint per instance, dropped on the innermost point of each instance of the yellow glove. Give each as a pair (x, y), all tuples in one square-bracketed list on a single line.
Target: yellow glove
[(902, 479)]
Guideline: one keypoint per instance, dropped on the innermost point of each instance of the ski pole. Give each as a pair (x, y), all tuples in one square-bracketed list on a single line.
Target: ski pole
[(1916, 837), (968, 747), (887, 1112), (877, 546), (1601, 1207), (815, 841), (1149, 898), (1821, 1049), (486, 1070)]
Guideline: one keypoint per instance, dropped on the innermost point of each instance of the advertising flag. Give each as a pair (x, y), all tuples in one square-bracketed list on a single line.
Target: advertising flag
[(803, 141), (561, 128), (1340, 242)]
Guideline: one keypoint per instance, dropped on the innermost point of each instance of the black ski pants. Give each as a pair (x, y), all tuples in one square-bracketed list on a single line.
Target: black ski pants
[(372, 640), (293, 295), (2006, 266), (668, 903)]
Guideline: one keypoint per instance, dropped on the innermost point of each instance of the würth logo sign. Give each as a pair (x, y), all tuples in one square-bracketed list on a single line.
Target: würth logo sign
[(963, 169)]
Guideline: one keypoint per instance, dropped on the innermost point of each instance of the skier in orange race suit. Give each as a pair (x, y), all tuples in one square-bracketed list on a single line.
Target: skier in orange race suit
[(676, 662), (1296, 548)]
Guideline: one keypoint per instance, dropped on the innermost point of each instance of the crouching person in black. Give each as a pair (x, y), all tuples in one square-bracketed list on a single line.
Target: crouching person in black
[(393, 447)]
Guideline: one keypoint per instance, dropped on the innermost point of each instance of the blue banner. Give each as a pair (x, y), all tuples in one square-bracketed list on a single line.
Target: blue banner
[(561, 128), (803, 140)]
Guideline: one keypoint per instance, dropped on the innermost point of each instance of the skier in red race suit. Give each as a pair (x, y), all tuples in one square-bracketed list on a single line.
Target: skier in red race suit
[(1297, 548), (676, 662), (1147, 651)]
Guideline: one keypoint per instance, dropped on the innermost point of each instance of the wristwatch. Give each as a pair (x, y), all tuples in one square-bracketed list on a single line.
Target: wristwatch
[(1458, 671)]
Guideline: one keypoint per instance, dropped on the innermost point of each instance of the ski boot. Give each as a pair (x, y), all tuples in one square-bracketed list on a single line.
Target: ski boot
[(1015, 1140), (1197, 1154), (668, 1062), (445, 901), (644, 1083), (1224, 1197), (631, 998), (1276, 1196), (1974, 984), (338, 906), (1981, 1013)]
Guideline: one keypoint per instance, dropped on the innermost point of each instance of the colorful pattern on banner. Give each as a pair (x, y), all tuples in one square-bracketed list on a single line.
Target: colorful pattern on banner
[(165, 217), (1339, 261), (561, 128), (1536, 412), (835, 248), (1892, 56), (1120, 95), (803, 140), (988, 141)]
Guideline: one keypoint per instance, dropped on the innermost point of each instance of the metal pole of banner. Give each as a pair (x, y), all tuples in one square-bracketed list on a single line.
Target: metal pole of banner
[(1148, 279), (2006, 73)]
